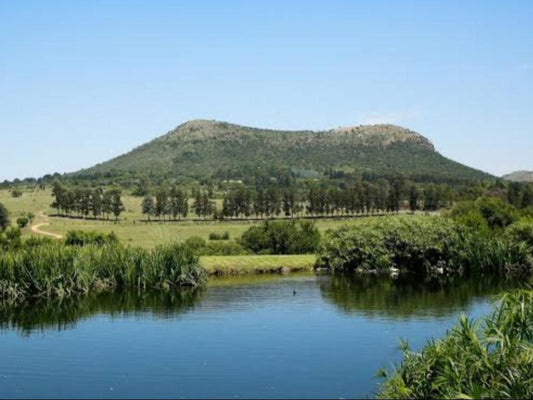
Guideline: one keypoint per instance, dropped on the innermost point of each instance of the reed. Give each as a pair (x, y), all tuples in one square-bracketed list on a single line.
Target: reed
[(54, 269), (490, 358)]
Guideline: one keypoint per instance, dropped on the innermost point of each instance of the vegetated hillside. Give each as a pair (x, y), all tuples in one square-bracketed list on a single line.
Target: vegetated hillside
[(519, 176), (203, 149)]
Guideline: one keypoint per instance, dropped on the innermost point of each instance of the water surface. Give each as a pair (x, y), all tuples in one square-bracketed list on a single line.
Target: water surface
[(253, 337)]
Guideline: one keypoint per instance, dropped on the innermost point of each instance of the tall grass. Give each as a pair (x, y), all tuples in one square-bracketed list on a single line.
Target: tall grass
[(491, 358), (58, 270)]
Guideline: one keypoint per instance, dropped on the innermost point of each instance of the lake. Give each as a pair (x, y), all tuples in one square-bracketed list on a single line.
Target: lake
[(301, 335)]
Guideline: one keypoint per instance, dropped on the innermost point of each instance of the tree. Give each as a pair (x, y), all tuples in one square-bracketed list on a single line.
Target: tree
[(414, 194), (161, 202), (148, 206), (116, 203), (96, 202), (4, 218)]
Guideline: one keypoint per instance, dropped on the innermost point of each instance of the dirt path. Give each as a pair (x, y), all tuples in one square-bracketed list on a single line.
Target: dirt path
[(35, 228)]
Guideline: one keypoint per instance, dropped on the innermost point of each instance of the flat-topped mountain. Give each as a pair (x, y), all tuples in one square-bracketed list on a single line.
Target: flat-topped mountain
[(202, 149), (519, 176)]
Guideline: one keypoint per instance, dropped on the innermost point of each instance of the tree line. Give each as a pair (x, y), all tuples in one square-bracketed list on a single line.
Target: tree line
[(87, 202)]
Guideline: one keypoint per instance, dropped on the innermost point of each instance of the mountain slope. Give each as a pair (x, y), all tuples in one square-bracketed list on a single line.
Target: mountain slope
[(200, 148), (519, 176)]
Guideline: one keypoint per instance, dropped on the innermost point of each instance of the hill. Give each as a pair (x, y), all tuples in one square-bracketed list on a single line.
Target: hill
[(203, 149), (519, 176)]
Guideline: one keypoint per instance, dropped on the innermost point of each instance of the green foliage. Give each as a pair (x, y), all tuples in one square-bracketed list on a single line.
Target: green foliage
[(203, 248), (219, 236), (282, 237), (10, 238), (490, 212), (496, 212), (476, 359), (4, 218), (22, 221), (521, 231), (54, 269), (422, 244), (16, 193), (84, 238)]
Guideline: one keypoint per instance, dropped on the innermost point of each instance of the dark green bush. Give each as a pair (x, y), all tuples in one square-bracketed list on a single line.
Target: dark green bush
[(521, 231), (282, 237), (219, 236), (83, 238), (216, 248), (22, 222)]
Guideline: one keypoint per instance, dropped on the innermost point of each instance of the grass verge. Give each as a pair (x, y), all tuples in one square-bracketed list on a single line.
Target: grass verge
[(257, 264)]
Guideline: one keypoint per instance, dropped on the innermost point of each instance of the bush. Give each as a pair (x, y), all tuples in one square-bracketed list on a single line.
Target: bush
[(476, 359), (4, 218), (204, 248), (16, 193), (521, 231), (219, 236), (22, 222), (421, 244), (83, 238), (496, 212), (282, 237)]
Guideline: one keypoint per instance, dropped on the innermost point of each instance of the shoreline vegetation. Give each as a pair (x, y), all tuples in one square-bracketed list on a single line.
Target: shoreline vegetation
[(486, 358)]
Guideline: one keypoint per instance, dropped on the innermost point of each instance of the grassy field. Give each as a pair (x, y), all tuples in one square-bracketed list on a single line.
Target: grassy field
[(129, 229), (235, 265)]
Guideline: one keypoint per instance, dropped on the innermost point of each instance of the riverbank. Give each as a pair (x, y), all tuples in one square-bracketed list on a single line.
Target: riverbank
[(257, 264)]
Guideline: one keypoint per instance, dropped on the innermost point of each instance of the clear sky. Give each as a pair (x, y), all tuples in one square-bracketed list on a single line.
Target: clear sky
[(83, 81)]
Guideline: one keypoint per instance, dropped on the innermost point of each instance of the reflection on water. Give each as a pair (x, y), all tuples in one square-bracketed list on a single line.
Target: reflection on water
[(269, 336), (410, 296), (62, 314)]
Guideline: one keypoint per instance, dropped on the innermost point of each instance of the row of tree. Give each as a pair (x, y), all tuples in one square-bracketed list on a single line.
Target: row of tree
[(87, 202), (173, 203), (242, 202)]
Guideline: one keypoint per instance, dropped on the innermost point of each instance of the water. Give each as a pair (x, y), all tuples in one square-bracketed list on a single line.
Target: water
[(239, 338)]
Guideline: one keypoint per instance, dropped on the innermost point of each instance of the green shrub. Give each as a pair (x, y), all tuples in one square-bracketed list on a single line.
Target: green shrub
[(22, 222), (491, 358), (16, 193), (282, 237), (485, 212), (83, 238), (4, 218), (420, 244), (219, 236), (496, 212), (217, 248), (521, 231)]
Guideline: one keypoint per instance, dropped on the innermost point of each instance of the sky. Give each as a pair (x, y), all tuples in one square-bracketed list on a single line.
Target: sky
[(84, 81)]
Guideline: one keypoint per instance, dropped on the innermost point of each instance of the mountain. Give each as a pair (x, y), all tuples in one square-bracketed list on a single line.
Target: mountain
[(202, 149), (519, 176)]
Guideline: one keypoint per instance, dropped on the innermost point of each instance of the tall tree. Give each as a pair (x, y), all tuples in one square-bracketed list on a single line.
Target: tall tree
[(148, 206), (414, 195), (116, 203)]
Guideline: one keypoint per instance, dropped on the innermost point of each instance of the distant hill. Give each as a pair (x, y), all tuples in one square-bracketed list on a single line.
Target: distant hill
[(202, 149), (519, 176)]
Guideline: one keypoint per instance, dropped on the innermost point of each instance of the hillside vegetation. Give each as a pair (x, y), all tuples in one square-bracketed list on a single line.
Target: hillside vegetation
[(519, 176), (203, 149)]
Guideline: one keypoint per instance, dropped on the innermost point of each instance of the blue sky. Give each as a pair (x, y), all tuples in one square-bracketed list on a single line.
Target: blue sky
[(83, 81)]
